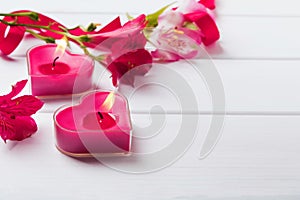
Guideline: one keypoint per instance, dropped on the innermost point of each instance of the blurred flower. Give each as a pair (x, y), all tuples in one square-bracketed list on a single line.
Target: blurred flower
[(181, 30)]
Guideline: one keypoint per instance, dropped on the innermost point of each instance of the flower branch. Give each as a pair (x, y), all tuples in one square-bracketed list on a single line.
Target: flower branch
[(31, 15), (175, 34)]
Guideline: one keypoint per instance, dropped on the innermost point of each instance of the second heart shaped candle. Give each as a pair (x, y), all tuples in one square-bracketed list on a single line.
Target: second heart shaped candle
[(57, 72), (99, 125)]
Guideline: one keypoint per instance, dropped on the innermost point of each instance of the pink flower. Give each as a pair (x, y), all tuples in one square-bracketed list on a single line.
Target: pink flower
[(15, 120), (174, 44), (137, 62), (114, 38), (97, 37), (181, 30), (125, 47)]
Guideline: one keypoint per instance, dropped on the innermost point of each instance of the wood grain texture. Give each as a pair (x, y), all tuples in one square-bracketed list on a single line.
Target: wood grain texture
[(256, 158), (246, 37), (229, 7), (250, 86)]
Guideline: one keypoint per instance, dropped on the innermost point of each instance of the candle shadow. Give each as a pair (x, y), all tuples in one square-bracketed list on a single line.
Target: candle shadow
[(12, 145), (88, 160), (27, 145)]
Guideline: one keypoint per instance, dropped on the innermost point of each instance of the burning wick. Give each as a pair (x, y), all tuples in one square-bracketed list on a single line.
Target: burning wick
[(53, 64), (100, 115)]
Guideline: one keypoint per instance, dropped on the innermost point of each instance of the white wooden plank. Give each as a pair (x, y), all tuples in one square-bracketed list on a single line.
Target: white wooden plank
[(241, 37), (228, 7), (258, 8), (255, 159), (260, 85), (266, 87), (257, 38), (115, 6)]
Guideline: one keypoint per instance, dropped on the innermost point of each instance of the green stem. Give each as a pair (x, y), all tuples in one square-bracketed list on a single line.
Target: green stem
[(78, 39), (25, 25), (46, 39), (32, 15), (17, 14), (86, 52)]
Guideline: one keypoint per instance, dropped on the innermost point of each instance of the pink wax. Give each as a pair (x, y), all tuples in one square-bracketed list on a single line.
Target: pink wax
[(72, 73), (105, 120), (91, 129), (59, 68)]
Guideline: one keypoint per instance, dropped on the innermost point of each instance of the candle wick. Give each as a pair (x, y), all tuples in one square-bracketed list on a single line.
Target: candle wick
[(100, 115), (53, 64)]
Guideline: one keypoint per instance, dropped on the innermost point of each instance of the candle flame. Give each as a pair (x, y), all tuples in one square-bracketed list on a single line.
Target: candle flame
[(109, 101), (61, 47)]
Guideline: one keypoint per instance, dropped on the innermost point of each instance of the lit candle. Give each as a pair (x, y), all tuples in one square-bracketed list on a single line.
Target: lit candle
[(54, 71), (99, 125), (54, 68), (105, 120)]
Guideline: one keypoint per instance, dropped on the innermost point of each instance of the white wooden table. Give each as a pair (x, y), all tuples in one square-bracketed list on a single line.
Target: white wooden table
[(257, 157)]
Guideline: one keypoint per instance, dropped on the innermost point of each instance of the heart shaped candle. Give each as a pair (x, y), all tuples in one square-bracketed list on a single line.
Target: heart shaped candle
[(53, 72), (98, 126)]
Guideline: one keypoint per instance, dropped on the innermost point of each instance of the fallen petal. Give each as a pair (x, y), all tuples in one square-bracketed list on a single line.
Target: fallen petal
[(16, 89), (24, 106)]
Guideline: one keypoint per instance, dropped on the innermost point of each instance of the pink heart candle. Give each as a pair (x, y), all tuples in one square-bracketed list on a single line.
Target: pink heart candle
[(55, 73), (98, 126)]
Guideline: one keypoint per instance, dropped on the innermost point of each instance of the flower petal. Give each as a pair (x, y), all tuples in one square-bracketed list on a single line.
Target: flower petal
[(23, 127), (206, 24), (170, 19), (165, 56), (210, 4), (182, 42), (104, 40), (131, 43), (189, 6), (9, 42), (132, 63), (113, 25), (15, 35), (16, 89), (24, 106), (7, 128), (43, 20)]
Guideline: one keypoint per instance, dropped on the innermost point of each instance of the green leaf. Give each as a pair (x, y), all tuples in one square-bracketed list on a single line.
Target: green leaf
[(84, 38), (49, 40), (34, 16), (91, 27), (100, 58), (190, 26), (153, 18)]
